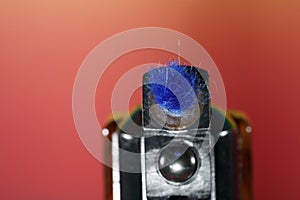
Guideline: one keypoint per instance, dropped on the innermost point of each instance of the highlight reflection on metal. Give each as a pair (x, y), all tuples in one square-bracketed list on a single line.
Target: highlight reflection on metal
[(176, 96), (115, 163)]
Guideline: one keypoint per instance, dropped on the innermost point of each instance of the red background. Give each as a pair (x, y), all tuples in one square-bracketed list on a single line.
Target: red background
[(255, 44)]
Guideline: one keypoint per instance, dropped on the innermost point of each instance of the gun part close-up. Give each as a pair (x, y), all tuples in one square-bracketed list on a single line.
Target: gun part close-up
[(187, 148)]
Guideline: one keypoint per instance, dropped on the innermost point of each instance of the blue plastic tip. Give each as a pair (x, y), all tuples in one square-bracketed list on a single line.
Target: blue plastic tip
[(174, 86)]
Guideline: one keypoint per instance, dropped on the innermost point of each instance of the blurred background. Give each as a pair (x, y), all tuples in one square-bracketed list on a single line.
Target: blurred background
[(255, 44)]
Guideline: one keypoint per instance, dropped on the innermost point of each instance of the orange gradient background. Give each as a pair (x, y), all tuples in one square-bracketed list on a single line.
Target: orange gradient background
[(255, 44)]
